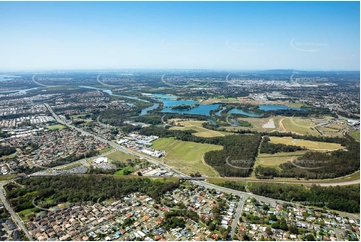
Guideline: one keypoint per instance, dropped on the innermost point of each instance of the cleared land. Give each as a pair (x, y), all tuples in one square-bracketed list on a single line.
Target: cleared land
[(274, 160), (185, 156), (355, 134), (308, 144), (195, 125), (121, 156), (56, 127), (260, 124), (299, 126)]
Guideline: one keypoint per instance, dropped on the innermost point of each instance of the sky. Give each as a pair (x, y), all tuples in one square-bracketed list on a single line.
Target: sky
[(180, 35)]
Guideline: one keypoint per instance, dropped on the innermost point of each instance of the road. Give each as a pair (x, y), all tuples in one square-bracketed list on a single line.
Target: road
[(14, 216), (104, 83), (38, 83), (238, 214)]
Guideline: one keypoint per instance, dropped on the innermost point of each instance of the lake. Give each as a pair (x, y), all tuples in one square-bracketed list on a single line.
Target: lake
[(219, 113), (240, 111), (111, 93), (21, 91), (144, 111), (6, 77), (276, 107), (163, 96), (200, 110)]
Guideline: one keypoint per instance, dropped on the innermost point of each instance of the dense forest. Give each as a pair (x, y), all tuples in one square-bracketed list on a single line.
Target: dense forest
[(345, 198), (269, 148), (6, 150), (317, 165), (80, 188)]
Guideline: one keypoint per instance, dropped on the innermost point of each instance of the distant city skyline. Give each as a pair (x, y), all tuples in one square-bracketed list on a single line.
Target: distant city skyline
[(321, 36)]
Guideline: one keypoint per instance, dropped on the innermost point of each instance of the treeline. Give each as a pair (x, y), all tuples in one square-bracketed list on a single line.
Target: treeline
[(345, 198), (235, 185), (6, 150), (81, 188), (317, 165), (269, 148)]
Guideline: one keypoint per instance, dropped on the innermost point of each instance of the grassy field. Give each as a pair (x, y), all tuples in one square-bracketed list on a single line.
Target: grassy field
[(121, 156), (355, 134), (7, 177), (308, 144), (296, 125), (106, 150), (71, 166), (274, 160), (296, 105), (121, 172), (56, 127), (186, 156), (78, 116), (197, 126)]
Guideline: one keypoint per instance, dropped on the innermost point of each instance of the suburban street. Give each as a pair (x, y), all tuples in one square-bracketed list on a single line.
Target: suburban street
[(15, 217)]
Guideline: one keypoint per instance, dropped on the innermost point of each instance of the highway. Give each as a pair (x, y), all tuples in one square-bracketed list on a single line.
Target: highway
[(14, 216)]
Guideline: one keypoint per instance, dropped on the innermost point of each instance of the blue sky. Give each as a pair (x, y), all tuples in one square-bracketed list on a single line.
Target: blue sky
[(211, 35)]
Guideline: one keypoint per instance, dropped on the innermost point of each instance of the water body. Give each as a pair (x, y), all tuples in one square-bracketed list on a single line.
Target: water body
[(240, 111), (276, 107), (200, 110), (171, 103), (219, 113), (144, 111), (212, 121), (21, 91), (6, 77), (111, 93), (163, 96)]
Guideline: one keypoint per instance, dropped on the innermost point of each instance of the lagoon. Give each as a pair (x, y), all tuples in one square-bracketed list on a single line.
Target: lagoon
[(276, 107), (200, 110), (240, 111)]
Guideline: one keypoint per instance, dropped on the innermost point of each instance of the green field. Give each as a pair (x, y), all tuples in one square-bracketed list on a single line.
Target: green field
[(274, 160), (121, 172), (308, 144), (56, 127), (186, 156), (355, 134), (299, 126), (197, 126), (106, 150), (78, 116), (121, 156)]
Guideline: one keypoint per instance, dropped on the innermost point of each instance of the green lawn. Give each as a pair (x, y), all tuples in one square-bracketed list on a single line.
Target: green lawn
[(56, 127), (106, 150), (186, 156), (121, 156), (121, 172)]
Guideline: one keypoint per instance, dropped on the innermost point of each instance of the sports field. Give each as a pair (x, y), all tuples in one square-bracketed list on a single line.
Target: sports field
[(197, 126), (56, 127), (308, 144), (186, 156)]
